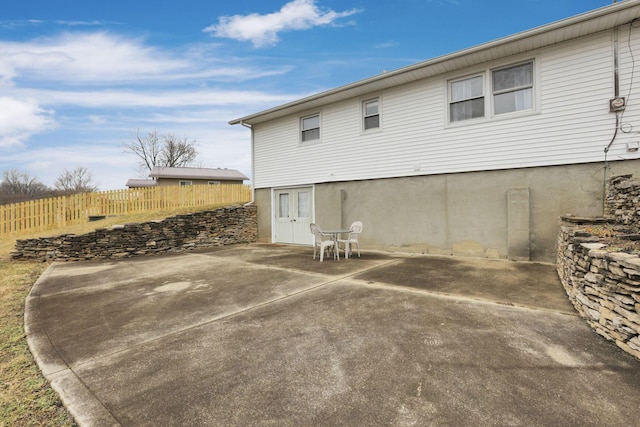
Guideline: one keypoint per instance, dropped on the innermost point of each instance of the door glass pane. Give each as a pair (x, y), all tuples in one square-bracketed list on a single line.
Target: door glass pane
[(304, 205), (283, 205)]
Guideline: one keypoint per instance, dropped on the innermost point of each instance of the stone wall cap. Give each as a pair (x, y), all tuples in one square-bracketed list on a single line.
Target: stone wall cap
[(633, 263), (598, 253), (620, 256), (618, 178), (594, 245), (586, 219)]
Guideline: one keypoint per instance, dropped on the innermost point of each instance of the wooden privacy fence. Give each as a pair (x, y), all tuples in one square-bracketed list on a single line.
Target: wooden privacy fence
[(58, 212)]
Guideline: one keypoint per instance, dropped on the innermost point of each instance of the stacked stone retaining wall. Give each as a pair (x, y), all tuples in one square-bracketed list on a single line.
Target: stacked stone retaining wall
[(603, 286), (602, 282), (224, 226), (622, 200)]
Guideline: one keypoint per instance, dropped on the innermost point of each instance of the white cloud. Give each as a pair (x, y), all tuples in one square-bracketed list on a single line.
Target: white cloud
[(108, 164), (102, 58), (111, 165), (262, 30), (156, 99), (386, 45), (79, 23), (85, 57), (97, 71), (21, 118)]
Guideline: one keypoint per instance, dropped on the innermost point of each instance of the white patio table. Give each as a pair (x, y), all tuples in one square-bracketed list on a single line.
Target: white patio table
[(334, 232)]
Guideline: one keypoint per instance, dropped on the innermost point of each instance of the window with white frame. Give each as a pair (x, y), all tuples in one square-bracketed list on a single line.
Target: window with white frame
[(513, 88), (371, 114), (466, 98), (213, 182), (185, 183), (310, 128)]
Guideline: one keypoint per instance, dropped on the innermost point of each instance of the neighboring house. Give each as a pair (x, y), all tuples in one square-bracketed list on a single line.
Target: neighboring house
[(164, 176), (473, 153)]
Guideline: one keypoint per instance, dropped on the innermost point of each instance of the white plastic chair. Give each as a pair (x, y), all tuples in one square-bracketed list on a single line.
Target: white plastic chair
[(356, 229), (323, 241)]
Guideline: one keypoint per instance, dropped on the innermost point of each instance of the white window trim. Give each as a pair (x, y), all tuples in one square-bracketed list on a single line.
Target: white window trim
[(300, 130), (362, 114), (185, 182), (487, 80), (449, 82), (535, 90), (213, 182)]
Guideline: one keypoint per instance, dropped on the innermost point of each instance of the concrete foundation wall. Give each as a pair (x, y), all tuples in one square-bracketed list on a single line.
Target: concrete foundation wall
[(498, 214), (262, 199)]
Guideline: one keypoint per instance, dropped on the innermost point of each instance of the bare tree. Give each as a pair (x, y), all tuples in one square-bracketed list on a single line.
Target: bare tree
[(78, 180), (177, 152), (17, 186), (165, 150)]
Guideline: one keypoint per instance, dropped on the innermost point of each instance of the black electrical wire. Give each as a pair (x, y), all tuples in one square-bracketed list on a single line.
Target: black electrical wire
[(633, 24)]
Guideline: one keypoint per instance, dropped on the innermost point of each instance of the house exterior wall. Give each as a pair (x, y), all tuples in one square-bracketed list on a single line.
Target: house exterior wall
[(422, 184), (570, 124), (465, 214)]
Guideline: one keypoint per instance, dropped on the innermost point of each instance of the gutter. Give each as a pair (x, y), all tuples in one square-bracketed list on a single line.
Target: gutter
[(253, 175)]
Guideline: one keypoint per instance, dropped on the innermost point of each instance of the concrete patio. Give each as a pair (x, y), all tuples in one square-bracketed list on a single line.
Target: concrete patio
[(264, 335)]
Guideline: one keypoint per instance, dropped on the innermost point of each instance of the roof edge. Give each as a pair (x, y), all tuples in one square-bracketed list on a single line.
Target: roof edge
[(556, 25)]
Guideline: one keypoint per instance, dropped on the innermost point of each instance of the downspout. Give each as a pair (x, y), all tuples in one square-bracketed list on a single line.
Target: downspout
[(253, 176), (616, 94)]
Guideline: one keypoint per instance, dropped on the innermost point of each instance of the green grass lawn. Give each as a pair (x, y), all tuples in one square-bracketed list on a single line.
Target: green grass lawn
[(26, 399)]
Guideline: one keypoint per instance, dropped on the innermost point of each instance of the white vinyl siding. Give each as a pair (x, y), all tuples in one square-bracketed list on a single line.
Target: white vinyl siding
[(569, 123)]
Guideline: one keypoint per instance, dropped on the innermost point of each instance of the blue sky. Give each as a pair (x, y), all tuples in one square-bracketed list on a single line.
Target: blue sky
[(79, 78)]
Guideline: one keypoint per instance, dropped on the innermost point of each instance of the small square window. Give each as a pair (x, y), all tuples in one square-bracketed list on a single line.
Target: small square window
[(310, 128), (371, 114)]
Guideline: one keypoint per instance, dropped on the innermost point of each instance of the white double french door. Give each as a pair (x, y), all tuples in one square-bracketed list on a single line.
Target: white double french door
[(292, 211)]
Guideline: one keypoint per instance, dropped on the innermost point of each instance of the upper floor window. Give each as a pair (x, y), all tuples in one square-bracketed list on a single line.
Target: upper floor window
[(371, 114), (466, 99), (513, 88), (185, 183), (213, 182), (509, 89), (310, 127)]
